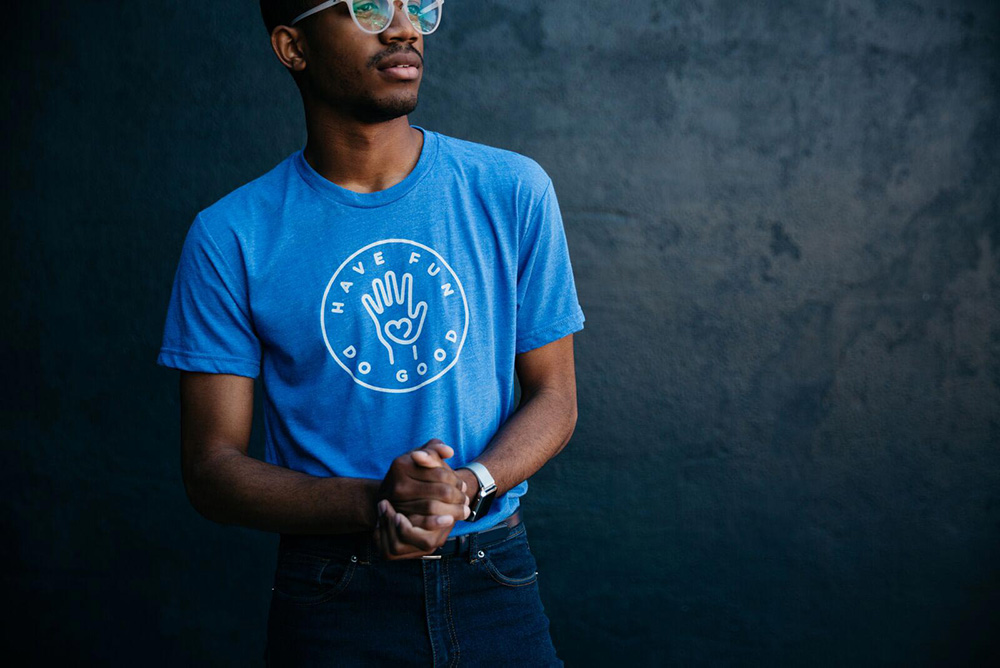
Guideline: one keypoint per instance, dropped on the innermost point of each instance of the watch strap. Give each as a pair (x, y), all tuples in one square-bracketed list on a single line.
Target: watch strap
[(480, 505), (482, 475)]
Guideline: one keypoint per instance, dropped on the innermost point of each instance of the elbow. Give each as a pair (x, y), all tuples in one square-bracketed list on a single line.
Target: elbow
[(197, 499), (197, 485), (571, 416)]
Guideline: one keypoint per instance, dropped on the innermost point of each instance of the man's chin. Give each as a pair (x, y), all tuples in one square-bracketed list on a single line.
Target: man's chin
[(387, 110)]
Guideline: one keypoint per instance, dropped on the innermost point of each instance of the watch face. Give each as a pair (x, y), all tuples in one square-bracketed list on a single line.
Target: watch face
[(484, 507)]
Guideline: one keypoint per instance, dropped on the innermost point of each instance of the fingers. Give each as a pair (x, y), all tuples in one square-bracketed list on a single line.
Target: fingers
[(391, 546), (406, 482), (427, 458), (425, 540), (397, 537), (411, 507), (434, 473), (413, 490), (443, 449), (431, 467), (430, 522)]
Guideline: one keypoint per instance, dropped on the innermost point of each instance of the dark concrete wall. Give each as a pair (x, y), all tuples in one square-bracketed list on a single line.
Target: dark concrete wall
[(784, 223)]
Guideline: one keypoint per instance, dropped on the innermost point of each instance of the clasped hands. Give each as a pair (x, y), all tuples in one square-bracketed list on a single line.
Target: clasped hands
[(420, 500)]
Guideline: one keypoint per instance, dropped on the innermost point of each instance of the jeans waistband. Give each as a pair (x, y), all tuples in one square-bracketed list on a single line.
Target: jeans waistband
[(363, 545)]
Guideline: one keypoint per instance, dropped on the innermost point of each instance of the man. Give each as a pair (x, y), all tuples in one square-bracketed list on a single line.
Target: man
[(386, 282)]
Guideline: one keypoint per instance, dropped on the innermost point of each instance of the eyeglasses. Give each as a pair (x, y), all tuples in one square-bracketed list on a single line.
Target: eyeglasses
[(374, 16)]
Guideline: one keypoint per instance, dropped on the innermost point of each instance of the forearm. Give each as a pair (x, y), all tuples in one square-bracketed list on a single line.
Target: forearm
[(539, 429), (234, 488)]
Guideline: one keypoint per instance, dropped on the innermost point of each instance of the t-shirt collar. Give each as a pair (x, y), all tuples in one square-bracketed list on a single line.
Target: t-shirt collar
[(332, 191)]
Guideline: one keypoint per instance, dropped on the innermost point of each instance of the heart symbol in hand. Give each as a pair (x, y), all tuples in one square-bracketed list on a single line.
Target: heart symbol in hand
[(397, 325)]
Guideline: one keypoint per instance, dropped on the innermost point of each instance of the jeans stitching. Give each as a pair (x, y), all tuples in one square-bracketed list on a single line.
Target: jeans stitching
[(514, 533), (296, 556), (340, 586), (430, 632), (495, 573), (451, 617)]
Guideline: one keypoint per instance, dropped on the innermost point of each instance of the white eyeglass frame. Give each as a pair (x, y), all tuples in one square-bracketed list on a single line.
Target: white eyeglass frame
[(392, 12)]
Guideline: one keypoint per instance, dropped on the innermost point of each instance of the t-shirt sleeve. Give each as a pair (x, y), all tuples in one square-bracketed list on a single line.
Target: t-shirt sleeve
[(547, 304), (208, 326)]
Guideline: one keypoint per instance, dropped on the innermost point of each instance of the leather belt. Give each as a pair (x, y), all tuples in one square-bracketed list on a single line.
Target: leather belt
[(457, 545), (362, 542)]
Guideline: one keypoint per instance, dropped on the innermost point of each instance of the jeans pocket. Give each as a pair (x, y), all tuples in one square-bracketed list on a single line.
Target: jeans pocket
[(304, 578), (510, 562)]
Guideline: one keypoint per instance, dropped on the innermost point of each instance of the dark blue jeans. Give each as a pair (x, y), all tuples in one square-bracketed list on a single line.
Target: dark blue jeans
[(335, 602)]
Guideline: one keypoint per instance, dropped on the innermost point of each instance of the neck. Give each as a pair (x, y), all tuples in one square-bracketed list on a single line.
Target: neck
[(363, 157)]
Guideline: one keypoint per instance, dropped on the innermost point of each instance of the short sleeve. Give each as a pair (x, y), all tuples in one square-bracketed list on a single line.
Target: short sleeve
[(547, 304), (208, 326)]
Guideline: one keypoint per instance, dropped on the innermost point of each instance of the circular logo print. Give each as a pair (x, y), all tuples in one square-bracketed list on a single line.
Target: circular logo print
[(395, 315)]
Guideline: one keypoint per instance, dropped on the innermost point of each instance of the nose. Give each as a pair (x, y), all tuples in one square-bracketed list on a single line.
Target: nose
[(400, 20)]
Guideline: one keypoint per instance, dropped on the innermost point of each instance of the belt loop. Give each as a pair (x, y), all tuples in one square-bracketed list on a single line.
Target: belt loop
[(363, 547), (473, 546)]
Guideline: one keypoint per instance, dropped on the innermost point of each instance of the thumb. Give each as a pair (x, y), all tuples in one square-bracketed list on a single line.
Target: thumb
[(443, 449), (428, 458)]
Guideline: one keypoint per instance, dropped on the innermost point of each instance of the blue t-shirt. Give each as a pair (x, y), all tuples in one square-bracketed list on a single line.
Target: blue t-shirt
[(378, 321)]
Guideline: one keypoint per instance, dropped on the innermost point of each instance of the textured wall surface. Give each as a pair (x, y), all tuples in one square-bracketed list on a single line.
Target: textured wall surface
[(784, 224)]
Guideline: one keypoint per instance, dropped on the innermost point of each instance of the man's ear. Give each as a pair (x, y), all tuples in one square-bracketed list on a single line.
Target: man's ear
[(289, 45)]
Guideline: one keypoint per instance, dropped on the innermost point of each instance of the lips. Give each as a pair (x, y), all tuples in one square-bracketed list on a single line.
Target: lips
[(400, 60), (401, 73), (401, 66)]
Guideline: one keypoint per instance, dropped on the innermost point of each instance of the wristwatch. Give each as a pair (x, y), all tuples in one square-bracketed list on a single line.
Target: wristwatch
[(480, 505)]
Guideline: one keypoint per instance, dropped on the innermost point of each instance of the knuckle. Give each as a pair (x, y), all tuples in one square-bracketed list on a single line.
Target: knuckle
[(437, 508), (416, 507), (441, 508)]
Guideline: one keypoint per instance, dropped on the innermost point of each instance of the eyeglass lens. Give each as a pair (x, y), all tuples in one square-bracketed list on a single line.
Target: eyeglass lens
[(374, 15)]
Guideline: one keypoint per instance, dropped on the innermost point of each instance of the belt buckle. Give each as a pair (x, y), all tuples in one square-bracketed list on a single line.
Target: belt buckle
[(458, 541)]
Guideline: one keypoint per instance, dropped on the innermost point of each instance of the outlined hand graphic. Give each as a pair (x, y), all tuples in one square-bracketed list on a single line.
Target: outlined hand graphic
[(397, 319)]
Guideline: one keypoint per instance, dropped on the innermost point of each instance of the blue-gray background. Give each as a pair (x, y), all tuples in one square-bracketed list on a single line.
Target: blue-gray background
[(783, 219)]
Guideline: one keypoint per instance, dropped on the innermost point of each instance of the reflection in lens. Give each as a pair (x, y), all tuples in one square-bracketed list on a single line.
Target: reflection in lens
[(372, 15), (424, 14)]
